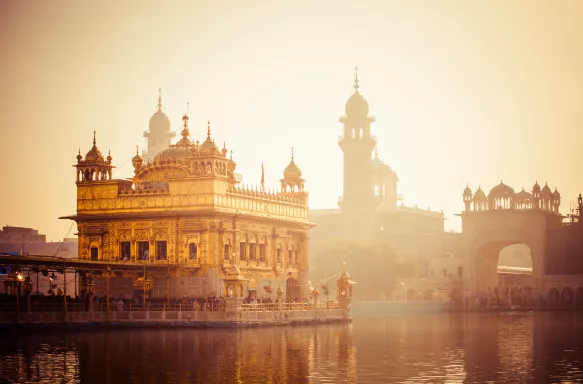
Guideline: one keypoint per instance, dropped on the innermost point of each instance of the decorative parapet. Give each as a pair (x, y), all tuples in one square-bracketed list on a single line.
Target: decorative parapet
[(234, 200)]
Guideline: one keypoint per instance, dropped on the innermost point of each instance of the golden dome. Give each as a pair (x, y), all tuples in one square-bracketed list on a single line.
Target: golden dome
[(292, 171), (231, 165), (209, 146), (179, 152), (94, 155), (137, 160), (356, 104)]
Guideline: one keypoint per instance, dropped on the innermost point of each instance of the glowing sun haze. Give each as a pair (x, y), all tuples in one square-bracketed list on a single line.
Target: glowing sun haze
[(463, 91)]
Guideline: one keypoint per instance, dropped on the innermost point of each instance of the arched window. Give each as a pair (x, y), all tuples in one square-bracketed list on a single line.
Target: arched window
[(278, 255), (360, 133), (353, 133), (192, 251), (94, 253), (227, 250)]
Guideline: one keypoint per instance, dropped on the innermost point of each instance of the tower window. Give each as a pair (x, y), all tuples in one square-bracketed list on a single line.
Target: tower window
[(124, 250), (353, 133), (243, 251), (192, 251), (278, 255), (262, 252), (161, 250), (94, 253), (143, 250), (360, 133), (252, 254), (226, 252)]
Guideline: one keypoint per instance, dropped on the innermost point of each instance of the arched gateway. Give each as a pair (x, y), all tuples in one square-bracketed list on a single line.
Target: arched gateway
[(502, 218)]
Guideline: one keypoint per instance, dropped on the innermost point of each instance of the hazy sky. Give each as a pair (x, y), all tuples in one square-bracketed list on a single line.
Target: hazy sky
[(463, 91)]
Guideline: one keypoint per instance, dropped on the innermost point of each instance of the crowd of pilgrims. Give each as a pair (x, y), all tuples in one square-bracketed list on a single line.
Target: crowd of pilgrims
[(502, 296), (208, 303)]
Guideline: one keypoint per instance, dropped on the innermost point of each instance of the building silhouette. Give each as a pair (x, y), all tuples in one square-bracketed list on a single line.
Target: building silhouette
[(159, 134), (369, 208)]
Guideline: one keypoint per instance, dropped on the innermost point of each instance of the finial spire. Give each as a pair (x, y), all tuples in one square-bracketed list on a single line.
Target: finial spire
[(94, 140), (159, 98), (137, 153), (208, 128), (356, 86), (231, 155), (292, 154)]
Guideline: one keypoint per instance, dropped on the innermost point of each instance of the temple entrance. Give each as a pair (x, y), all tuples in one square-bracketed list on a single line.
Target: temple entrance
[(293, 290), (502, 263)]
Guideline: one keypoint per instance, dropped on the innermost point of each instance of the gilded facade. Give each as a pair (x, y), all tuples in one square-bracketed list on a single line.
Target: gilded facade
[(185, 217)]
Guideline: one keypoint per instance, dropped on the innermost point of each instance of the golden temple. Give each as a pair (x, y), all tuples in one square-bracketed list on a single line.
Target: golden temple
[(187, 219)]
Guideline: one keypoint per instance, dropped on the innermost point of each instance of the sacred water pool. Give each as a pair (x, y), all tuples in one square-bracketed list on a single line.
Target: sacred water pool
[(542, 347)]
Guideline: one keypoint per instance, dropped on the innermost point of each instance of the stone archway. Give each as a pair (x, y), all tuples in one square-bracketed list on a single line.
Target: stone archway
[(486, 233)]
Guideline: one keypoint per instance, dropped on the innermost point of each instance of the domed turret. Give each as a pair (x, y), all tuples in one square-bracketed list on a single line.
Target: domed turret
[(94, 167), (292, 177), (501, 197), (467, 197), (94, 155), (480, 195), (209, 146), (159, 122), (292, 171), (356, 104), (178, 153), (137, 162)]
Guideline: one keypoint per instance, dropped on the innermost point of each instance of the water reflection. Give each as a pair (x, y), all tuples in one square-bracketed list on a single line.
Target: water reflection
[(436, 348)]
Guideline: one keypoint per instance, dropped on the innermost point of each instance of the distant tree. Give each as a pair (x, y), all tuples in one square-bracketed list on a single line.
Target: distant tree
[(375, 267)]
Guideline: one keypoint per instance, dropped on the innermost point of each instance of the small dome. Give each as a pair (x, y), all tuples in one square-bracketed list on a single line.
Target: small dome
[(546, 190), (467, 191), (502, 190), (536, 187), (176, 154), (292, 171), (79, 157), (94, 155), (356, 104), (137, 160), (209, 146), (479, 195), (159, 122), (234, 271), (522, 197), (556, 194)]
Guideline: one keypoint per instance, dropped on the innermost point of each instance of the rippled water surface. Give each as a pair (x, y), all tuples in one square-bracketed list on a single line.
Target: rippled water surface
[(415, 348)]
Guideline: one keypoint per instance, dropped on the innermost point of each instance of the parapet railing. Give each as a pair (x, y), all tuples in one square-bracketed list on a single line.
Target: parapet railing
[(102, 307), (262, 307)]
